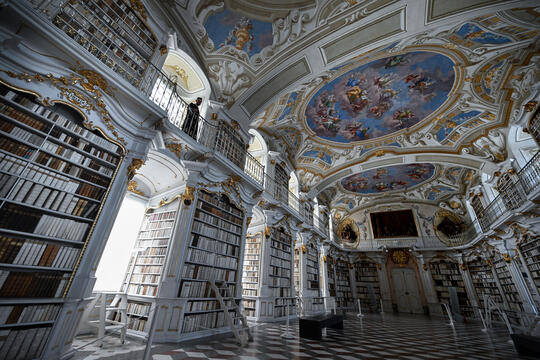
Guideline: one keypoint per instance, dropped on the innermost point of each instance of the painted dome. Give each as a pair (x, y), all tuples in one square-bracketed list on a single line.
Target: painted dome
[(390, 178), (381, 97)]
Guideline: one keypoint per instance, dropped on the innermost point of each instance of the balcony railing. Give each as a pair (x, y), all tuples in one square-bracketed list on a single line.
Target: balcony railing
[(513, 195), (218, 137), (281, 193)]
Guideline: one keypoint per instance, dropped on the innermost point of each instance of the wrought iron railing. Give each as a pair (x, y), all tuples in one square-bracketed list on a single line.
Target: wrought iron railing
[(513, 195), (321, 223), (281, 193)]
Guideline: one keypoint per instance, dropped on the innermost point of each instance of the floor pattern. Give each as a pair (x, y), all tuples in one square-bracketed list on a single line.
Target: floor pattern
[(372, 337)]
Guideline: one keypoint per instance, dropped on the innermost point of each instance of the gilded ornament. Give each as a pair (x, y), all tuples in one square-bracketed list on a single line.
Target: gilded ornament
[(489, 262), (324, 258), (248, 221), (507, 258), (176, 148), (132, 186), (463, 267), (379, 266), (138, 7), (266, 232), (235, 124), (304, 249), (424, 266), (188, 195), (379, 153), (135, 165), (351, 266), (93, 80), (163, 50), (399, 257)]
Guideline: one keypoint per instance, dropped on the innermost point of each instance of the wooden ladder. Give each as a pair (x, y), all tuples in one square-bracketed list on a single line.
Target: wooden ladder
[(241, 332), (118, 304)]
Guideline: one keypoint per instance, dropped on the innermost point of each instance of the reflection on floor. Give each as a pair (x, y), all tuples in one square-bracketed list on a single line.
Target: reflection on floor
[(374, 337)]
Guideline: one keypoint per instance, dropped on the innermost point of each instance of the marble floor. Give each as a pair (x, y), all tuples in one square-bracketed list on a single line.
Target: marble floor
[(385, 336)]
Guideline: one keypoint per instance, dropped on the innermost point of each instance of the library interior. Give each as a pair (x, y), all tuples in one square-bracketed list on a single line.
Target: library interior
[(256, 179)]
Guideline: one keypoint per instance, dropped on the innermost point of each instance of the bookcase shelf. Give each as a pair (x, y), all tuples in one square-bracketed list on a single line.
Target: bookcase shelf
[(484, 282), (344, 298), (312, 268), (112, 32), (281, 257), (251, 271), (445, 275), (296, 274), (331, 268), (54, 176), (513, 299), (146, 262), (213, 253), (530, 249), (368, 288)]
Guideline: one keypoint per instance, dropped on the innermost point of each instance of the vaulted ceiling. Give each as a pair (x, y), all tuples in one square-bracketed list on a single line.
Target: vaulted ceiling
[(372, 101)]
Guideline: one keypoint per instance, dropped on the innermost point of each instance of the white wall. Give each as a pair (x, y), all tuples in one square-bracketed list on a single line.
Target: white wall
[(113, 264)]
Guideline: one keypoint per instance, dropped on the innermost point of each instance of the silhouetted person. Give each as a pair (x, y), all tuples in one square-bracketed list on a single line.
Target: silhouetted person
[(192, 119)]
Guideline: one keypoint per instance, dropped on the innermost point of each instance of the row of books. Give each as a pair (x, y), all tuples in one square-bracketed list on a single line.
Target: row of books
[(154, 251), (216, 221), (367, 278), (251, 260), (61, 228), (55, 163), (37, 253), (211, 259), (143, 260), (85, 146), (280, 246), (280, 253), (215, 233), (280, 281), (279, 271), (36, 284), (159, 216), (144, 278), (60, 120), (35, 194), (135, 323), (21, 134), (137, 308), (22, 117), (23, 343), (201, 272), (157, 225), (152, 234), (212, 210), (221, 202), (281, 292), (140, 289), (249, 292), (147, 269), (199, 322), (208, 244), (21, 314), (152, 243), (251, 283), (16, 148), (205, 305), (67, 153), (199, 289), (274, 261), (449, 283)]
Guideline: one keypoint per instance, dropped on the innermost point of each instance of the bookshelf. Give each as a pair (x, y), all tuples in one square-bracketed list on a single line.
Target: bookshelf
[(484, 281), (213, 253), (312, 269), (297, 270), (54, 177), (513, 299), (281, 254), (368, 288), (251, 272), (445, 275), (112, 32), (530, 250), (146, 263), (344, 298), (331, 268)]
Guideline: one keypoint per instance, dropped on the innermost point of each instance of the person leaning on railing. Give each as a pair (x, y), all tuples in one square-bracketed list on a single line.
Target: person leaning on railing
[(192, 119)]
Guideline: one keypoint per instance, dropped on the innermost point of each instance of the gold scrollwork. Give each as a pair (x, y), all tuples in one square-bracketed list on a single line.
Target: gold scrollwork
[(163, 49), (507, 258), (425, 267), (176, 148), (132, 186), (248, 221), (304, 249), (135, 165), (266, 232), (324, 258), (188, 195)]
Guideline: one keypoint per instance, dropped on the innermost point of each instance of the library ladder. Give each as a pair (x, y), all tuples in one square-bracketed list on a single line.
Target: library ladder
[(241, 330), (105, 304)]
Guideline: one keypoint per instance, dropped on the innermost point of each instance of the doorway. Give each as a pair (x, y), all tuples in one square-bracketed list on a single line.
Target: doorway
[(406, 291)]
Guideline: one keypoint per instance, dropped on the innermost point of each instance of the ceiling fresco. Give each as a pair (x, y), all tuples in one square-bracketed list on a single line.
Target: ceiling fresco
[(229, 28), (381, 97), (392, 178)]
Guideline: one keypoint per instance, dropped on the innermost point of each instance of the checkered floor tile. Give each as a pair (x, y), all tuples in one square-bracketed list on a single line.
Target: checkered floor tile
[(372, 337)]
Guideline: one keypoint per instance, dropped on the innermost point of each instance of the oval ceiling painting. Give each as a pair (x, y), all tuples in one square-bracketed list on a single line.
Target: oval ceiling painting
[(391, 178), (381, 97)]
